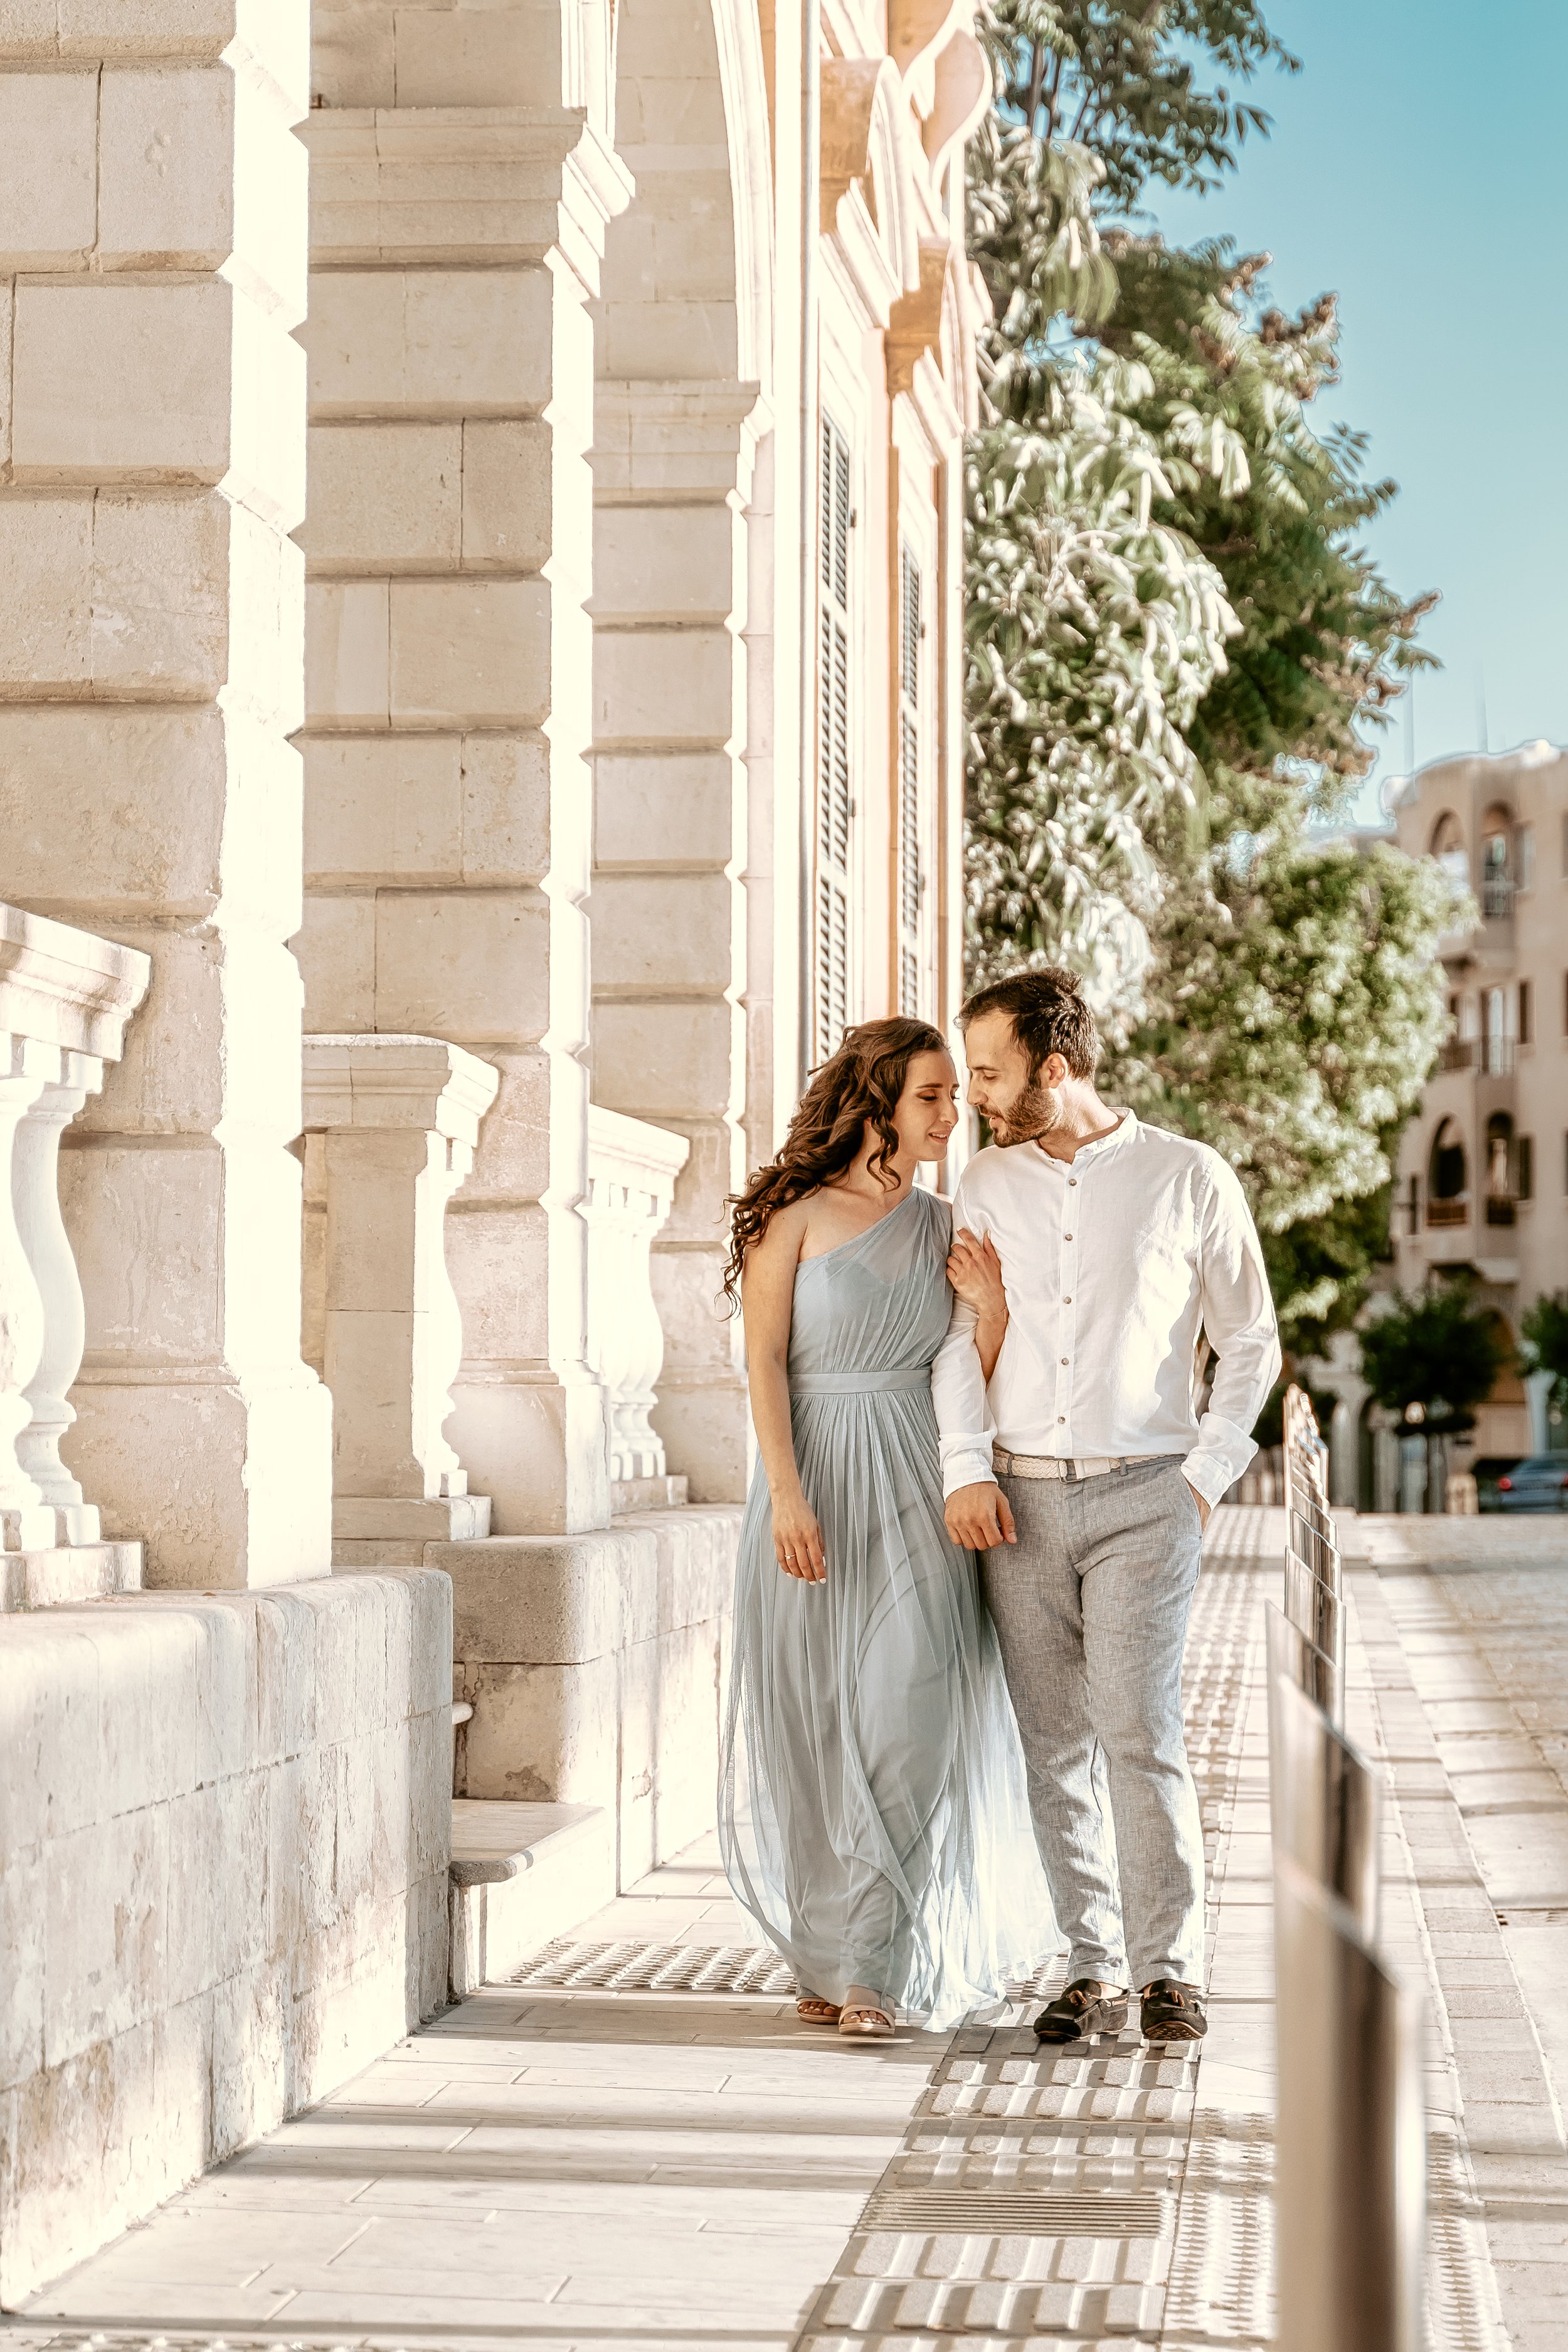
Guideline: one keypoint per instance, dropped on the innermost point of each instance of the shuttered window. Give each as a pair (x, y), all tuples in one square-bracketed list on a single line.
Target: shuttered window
[(911, 752), (834, 794)]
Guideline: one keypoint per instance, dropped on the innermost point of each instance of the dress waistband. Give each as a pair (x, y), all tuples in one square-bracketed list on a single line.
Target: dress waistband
[(910, 1376)]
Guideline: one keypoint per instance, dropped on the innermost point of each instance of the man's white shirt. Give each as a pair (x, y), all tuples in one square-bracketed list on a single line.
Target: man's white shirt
[(1117, 1266)]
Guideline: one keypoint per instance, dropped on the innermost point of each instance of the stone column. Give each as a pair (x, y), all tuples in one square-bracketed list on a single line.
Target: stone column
[(150, 676), (462, 182), (672, 467)]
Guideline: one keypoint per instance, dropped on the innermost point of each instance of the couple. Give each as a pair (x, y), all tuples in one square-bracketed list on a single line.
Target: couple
[(896, 1830)]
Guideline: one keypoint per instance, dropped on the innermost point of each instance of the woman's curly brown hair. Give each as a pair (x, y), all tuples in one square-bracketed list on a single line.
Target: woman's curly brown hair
[(857, 1087)]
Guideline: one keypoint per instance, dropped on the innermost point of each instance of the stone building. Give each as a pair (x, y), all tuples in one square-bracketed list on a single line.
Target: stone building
[(1482, 1185), (1483, 1168), (480, 541)]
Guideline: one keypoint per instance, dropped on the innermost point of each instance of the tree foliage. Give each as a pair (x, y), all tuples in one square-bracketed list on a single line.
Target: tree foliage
[(1175, 643), (1434, 1348), (1545, 1332)]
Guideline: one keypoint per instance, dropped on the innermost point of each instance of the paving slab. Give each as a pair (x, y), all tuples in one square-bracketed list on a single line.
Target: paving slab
[(636, 2143)]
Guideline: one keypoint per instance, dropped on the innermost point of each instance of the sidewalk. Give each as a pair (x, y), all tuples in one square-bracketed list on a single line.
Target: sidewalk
[(637, 2146)]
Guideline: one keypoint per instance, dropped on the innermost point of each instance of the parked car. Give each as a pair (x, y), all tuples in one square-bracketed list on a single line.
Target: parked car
[(1539, 1483)]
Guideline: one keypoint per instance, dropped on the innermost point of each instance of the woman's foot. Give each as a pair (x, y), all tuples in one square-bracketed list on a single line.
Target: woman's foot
[(863, 2018), (812, 2011)]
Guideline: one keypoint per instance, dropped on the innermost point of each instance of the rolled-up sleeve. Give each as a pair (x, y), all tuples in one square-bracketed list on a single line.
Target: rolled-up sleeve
[(958, 1392), (1241, 1327)]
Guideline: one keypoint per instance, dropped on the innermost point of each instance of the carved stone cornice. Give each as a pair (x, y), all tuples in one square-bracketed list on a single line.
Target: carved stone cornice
[(439, 184), (674, 439)]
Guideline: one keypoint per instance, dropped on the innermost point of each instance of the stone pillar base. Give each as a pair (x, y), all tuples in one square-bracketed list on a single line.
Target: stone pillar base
[(594, 1664), (66, 1572), (392, 1531)]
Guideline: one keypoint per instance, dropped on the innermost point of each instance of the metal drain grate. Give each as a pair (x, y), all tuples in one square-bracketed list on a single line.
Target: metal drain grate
[(631, 1966), (1012, 2213)]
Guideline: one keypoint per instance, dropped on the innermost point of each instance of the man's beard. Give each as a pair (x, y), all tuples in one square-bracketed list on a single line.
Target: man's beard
[(1037, 1110)]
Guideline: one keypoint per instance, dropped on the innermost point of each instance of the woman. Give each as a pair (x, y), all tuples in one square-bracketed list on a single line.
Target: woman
[(873, 1819)]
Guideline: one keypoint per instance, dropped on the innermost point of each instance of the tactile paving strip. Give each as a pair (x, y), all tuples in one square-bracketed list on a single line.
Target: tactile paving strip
[(1094, 2143), (625, 1967)]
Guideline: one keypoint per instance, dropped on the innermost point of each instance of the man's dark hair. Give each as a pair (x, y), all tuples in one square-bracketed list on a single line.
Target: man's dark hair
[(1049, 1015)]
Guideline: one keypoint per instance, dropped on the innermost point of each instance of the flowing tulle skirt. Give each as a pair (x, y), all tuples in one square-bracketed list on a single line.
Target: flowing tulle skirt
[(873, 1814)]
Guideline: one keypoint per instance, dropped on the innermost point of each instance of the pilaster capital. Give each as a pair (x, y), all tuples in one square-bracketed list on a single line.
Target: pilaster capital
[(675, 438), (390, 1081), (438, 185), (69, 988)]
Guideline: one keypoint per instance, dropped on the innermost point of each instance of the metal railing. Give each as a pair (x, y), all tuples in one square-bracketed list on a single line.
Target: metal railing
[(1500, 1209), (1448, 1212), (1351, 2192), (1497, 895), (1457, 1054)]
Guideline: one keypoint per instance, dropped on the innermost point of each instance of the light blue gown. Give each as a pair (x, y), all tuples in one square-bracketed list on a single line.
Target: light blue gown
[(873, 1816)]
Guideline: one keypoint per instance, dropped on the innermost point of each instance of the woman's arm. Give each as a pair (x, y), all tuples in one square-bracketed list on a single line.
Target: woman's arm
[(767, 1297), (974, 1271)]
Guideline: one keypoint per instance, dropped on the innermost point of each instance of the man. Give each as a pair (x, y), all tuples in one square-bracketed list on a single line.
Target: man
[(1084, 1475)]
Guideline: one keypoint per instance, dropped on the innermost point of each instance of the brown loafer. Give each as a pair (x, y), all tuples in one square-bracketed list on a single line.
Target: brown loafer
[(1174, 2012), (1081, 2011)]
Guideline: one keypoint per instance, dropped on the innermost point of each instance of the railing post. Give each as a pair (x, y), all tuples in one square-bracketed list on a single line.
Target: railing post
[(65, 999), (391, 1123), (1350, 2176), (632, 1169)]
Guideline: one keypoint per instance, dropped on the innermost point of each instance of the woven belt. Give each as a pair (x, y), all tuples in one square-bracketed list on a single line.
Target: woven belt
[(1056, 1465), (910, 1376)]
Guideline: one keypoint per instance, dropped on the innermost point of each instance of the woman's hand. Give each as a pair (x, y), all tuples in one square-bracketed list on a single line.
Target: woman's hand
[(797, 1539), (974, 1271)]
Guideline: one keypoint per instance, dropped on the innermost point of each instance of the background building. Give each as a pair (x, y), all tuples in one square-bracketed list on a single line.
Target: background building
[(479, 545), (1482, 1180)]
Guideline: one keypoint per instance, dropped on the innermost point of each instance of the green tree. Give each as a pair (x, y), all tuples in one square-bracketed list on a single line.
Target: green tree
[(1431, 1357), (1274, 994), (1544, 1333)]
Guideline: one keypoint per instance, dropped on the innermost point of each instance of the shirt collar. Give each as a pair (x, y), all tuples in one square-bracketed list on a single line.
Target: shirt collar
[(1121, 1133)]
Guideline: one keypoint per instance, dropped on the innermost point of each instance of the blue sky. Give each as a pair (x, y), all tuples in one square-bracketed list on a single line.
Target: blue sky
[(1418, 168)]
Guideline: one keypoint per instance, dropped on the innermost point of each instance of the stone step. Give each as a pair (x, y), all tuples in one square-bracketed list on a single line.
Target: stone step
[(521, 1875)]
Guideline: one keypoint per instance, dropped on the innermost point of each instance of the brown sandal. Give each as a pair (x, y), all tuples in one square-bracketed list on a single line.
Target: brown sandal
[(812, 2011), (864, 2023)]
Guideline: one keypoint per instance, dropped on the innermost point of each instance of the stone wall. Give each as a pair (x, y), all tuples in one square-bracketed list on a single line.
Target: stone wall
[(595, 1666), (224, 1824)]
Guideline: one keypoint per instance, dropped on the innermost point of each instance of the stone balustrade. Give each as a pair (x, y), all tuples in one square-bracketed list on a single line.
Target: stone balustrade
[(65, 999), (632, 1169), (391, 1124)]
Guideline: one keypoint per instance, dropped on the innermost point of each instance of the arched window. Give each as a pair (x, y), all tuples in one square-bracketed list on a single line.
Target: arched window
[(1447, 846), (1447, 1178), (1499, 1169), (1497, 863)]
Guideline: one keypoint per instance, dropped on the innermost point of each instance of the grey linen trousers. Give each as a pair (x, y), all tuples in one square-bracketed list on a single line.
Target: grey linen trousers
[(1090, 1606)]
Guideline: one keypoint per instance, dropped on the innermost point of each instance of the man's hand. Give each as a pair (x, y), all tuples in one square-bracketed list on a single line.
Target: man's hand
[(1205, 1505), (978, 1516)]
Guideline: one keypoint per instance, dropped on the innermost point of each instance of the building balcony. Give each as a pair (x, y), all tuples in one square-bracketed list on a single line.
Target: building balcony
[(1457, 1054), (1500, 1210), (1496, 897), (1496, 1057), (1443, 1214)]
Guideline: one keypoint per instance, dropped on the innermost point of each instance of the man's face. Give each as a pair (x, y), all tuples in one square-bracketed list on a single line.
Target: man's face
[(999, 1084)]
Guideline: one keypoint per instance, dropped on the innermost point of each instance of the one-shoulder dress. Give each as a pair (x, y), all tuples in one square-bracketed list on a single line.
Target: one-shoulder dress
[(873, 1816)]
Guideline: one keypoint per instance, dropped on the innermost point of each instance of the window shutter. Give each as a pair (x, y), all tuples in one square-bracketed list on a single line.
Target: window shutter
[(911, 877), (835, 797)]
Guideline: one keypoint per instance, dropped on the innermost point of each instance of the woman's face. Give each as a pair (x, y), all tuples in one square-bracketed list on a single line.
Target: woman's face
[(927, 1110)]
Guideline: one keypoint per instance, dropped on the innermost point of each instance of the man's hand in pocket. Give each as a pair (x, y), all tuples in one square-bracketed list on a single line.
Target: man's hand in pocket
[(1205, 1505)]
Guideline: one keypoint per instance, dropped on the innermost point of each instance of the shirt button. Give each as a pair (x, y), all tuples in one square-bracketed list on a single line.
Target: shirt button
[(1067, 1301), (1063, 1359), (1061, 1421), (1072, 1180), (1067, 1237)]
